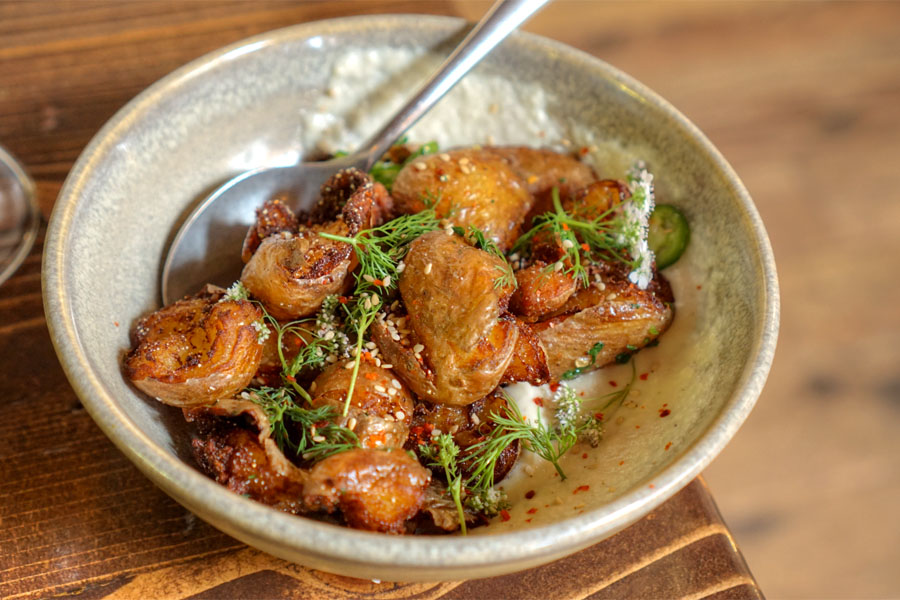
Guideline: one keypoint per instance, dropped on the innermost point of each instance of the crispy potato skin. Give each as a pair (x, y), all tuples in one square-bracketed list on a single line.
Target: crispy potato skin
[(529, 361), (376, 490), (373, 408), (541, 291), (273, 217), (196, 350), (467, 424), (473, 187), (620, 315), (244, 461), (454, 311), (293, 273), (594, 200)]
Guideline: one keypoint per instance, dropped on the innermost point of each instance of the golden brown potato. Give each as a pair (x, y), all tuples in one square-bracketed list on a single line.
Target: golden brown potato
[(243, 460), (196, 350), (381, 408), (470, 187), (596, 199), (293, 273), (620, 315), (376, 490), (453, 310), (541, 291), (529, 361), (542, 170)]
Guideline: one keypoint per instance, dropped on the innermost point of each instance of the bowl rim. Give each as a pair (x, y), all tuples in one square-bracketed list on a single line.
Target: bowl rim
[(19, 178), (324, 546)]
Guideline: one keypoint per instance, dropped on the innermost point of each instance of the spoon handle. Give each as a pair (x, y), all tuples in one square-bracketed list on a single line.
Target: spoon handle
[(501, 20)]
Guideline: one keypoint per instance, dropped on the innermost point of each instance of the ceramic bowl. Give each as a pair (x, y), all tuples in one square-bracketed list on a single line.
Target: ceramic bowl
[(322, 86)]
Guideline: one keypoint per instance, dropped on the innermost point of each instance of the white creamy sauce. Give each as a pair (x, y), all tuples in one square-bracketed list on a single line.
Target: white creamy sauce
[(365, 88)]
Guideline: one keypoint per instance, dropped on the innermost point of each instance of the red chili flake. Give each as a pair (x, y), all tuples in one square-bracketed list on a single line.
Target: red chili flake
[(528, 520), (116, 323), (539, 401), (621, 462), (370, 376), (651, 486), (565, 227), (664, 412), (585, 247), (584, 455), (637, 426), (429, 427), (504, 514), (643, 376), (529, 494), (583, 150), (377, 282), (613, 383), (343, 299), (598, 416), (581, 488), (699, 287), (290, 378), (669, 445), (554, 386), (417, 430), (531, 511)]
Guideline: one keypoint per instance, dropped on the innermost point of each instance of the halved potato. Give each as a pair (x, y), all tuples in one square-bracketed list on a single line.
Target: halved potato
[(197, 350)]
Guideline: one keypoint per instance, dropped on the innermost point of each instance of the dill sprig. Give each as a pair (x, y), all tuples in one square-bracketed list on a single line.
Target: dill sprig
[(597, 236), (476, 237), (379, 251), (319, 437), (444, 455)]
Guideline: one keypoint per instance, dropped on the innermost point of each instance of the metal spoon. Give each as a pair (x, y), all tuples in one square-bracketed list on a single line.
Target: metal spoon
[(207, 247)]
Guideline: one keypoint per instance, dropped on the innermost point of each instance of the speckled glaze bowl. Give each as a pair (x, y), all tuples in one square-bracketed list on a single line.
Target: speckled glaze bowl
[(279, 96)]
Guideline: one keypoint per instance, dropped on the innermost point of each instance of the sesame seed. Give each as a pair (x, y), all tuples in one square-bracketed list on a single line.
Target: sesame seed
[(387, 281), (368, 277), (582, 362), (428, 268), (377, 362), (351, 424), (436, 432), (392, 392), (400, 267), (350, 364), (418, 348), (331, 358), (444, 157), (395, 337), (380, 388), (400, 415), (567, 244), (419, 166), (319, 438), (464, 161), (387, 366), (370, 345), (558, 266), (396, 384), (313, 386)]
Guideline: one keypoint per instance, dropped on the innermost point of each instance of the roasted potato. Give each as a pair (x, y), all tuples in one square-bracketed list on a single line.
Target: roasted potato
[(381, 408), (376, 490), (612, 311), (541, 291), (542, 170), (453, 310), (293, 273), (196, 350), (242, 456), (529, 361), (273, 217), (467, 424), (468, 187)]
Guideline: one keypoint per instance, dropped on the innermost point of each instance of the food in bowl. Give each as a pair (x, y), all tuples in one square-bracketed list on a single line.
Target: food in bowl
[(362, 368)]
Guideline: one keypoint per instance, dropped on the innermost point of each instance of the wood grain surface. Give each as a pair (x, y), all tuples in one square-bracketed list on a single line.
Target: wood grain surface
[(801, 98)]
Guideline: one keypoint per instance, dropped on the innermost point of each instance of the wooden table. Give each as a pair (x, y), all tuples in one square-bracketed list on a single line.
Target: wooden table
[(76, 518)]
